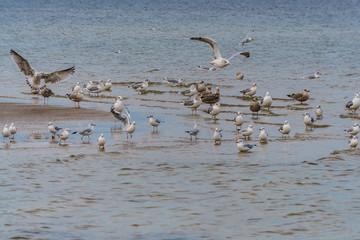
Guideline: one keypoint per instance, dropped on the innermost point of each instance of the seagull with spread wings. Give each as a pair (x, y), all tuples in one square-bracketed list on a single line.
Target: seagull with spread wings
[(218, 61), (35, 76)]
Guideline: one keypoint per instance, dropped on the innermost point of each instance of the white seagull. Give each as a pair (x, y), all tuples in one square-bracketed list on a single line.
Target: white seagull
[(238, 120), (141, 87), (214, 110), (86, 132), (35, 76), (218, 61), (353, 142), (189, 92), (266, 101), (5, 132), (217, 136), (309, 121), (285, 129), (154, 122), (64, 135), (263, 135), (319, 112), (244, 147), (247, 132), (250, 91), (174, 82), (125, 118), (101, 141), (53, 129), (354, 104), (12, 130), (107, 85), (354, 130), (194, 103), (316, 75)]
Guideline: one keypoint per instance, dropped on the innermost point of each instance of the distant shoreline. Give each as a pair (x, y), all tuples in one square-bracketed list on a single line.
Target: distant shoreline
[(32, 117)]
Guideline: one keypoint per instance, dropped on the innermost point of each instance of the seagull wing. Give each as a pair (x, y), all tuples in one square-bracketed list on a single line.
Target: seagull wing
[(245, 54), (188, 102), (58, 75), (22, 63), (212, 43), (247, 36)]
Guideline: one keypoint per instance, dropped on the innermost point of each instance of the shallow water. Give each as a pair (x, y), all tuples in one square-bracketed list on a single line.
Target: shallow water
[(161, 185)]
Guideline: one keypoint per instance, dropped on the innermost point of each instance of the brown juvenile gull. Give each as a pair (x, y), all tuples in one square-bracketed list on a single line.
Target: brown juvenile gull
[(36, 77), (46, 93), (76, 97), (218, 61), (201, 86), (255, 107), (211, 98), (301, 97)]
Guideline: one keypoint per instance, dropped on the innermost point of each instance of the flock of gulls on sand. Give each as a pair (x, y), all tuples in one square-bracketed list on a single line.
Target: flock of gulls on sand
[(197, 94)]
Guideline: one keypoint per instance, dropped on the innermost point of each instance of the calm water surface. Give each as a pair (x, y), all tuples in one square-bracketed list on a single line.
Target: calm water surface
[(161, 185)]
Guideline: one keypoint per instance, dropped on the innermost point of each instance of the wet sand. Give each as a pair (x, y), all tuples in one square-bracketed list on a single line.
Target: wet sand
[(32, 117)]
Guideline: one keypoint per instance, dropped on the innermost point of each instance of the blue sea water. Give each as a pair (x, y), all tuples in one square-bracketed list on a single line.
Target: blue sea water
[(162, 186)]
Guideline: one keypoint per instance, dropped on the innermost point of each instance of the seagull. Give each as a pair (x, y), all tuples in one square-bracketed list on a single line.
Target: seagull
[(86, 132), (194, 103), (101, 141), (5, 132), (239, 76), (64, 135), (189, 92), (96, 88), (201, 86), (125, 118), (76, 97), (36, 77), (174, 82), (214, 110), (118, 105), (217, 136), (238, 120), (12, 130), (211, 98), (107, 85), (193, 132), (263, 135), (285, 129), (250, 91), (76, 88), (53, 129), (301, 97), (207, 68), (244, 147), (255, 107), (247, 132), (141, 87), (316, 75), (319, 112), (154, 122), (218, 61), (46, 93), (354, 130), (247, 38), (266, 101), (353, 142), (354, 104), (309, 121), (89, 84)]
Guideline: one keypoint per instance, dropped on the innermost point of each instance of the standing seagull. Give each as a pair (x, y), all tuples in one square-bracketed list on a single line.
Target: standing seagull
[(263, 135), (247, 38), (36, 77), (247, 132), (141, 87), (218, 61), (193, 104), (238, 120), (76, 97), (319, 112), (86, 132), (354, 104), (249, 92), (353, 142), (285, 129), (309, 121), (316, 75), (214, 110), (107, 85), (154, 122), (354, 130), (189, 92), (5, 132), (301, 97), (244, 147), (266, 101), (64, 135), (12, 130), (53, 129), (125, 118), (46, 93), (217, 136), (193, 132), (255, 107), (174, 82), (101, 141)]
